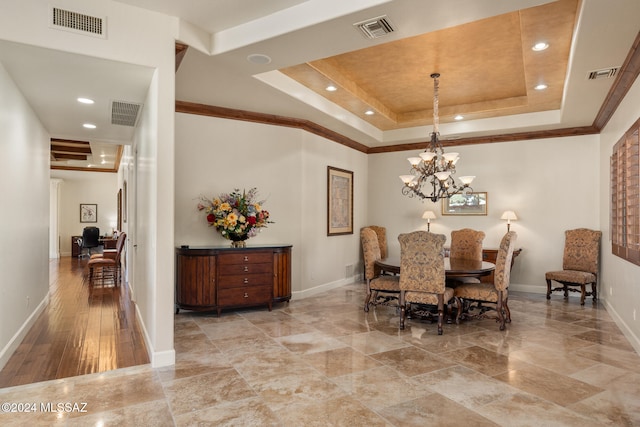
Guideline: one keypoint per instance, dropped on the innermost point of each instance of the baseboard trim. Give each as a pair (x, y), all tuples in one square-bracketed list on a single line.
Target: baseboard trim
[(158, 358), (19, 336), (324, 287)]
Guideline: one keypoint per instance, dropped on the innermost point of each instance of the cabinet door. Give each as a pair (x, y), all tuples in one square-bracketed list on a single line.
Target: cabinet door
[(196, 281), (282, 275)]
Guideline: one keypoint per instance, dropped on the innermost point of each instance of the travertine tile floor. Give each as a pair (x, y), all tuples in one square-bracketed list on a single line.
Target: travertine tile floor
[(322, 361)]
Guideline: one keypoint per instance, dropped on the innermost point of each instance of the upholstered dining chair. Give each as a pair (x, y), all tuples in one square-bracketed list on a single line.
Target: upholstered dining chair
[(375, 281), (107, 266), (494, 293), (466, 244), (422, 273), (381, 234), (579, 264)]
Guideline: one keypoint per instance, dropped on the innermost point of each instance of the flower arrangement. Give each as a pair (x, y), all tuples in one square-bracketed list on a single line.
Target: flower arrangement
[(237, 216)]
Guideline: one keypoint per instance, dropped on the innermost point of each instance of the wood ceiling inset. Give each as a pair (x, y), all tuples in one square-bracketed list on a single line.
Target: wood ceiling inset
[(64, 149), (487, 69)]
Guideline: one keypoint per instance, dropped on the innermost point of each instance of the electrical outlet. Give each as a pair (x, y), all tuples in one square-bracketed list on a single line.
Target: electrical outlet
[(348, 271)]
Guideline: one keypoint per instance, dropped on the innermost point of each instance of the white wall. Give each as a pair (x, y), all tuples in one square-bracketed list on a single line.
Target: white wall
[(85, 187), (551, 184), (24, 217), (289, 168), (620, 279)]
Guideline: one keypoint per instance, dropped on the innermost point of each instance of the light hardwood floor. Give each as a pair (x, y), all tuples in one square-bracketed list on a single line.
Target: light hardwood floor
[(79, 332)]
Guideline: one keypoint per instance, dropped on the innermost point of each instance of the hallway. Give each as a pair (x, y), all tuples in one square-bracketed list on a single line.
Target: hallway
[(78, 332)]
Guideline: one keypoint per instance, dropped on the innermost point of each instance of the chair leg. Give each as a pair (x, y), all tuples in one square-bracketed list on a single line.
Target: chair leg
[(506, 310), (594, 292), (440, 312), (500, 311), (403, 310), (367, 298), (583, 292), (548, 289), (458, 309)]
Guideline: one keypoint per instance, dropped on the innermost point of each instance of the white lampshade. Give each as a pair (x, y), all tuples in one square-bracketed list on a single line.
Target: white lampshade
[(428, 215), (442, 175), (407, 179), (466, 179), (509, 216), (450, 157), (414, 160), (427, 155)]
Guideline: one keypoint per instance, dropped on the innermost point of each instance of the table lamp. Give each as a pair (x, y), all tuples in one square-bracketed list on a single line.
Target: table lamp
[(509, 216), (428, 215)]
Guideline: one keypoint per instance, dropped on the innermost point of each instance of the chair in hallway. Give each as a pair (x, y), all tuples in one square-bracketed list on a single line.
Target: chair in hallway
[(104, 268), (493, 293), (90, 240), (422, 273), (376, 282), (579, 264)]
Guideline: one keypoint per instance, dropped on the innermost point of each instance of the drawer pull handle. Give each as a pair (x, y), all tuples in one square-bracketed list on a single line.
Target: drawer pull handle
[(246, 268), (246, 280), (246, 258), (246, 295)]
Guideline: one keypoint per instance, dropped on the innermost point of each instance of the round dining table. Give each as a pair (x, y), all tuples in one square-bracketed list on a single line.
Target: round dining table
[(454, 267)]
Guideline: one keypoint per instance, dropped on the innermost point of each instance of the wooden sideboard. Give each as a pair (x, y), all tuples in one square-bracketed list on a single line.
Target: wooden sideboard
[(215, 278)]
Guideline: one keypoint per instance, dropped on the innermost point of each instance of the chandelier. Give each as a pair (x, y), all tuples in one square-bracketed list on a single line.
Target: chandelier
[(433, 171)]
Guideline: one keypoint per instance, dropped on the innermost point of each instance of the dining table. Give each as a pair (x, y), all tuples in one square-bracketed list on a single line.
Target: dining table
[(454, 267)]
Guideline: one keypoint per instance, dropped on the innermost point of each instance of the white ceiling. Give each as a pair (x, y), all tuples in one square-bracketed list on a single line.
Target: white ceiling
[(215, 70)]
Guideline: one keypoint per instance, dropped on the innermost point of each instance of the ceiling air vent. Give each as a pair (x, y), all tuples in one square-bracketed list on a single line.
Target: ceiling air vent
[(124, 113), (77, 22), (374, 28), (603, 74)]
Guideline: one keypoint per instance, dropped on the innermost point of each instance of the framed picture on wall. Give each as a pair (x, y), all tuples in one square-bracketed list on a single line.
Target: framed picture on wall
[(88, 212), (465, 204), (339, 201)]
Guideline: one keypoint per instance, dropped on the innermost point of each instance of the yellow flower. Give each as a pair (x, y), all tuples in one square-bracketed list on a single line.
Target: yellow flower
[(257, 206), (242, 219), (225, 207)]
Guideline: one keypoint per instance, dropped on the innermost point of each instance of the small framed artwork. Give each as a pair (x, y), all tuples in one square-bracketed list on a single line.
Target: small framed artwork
[(465, 204), (339, 201), (88, 212)]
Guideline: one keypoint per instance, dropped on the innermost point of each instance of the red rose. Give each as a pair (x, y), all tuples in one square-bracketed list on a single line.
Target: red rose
[(211, 217), (251, 220)]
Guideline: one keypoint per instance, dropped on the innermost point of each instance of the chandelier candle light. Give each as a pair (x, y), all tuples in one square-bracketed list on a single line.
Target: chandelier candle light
[(434, 168)]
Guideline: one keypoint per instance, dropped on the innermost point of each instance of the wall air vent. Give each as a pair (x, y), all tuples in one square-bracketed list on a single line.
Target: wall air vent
[(603, 74), (376, 27), (124, 113), (77, 22)]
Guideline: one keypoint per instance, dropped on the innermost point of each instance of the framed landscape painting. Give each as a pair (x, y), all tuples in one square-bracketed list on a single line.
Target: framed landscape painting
[(339, 201), (465, 204)]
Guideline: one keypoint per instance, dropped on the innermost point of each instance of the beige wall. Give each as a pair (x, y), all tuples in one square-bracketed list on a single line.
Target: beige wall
[(24, 217), (84, 187), (620, 279)]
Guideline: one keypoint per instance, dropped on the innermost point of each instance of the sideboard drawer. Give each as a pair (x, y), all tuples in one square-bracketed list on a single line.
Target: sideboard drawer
[(248, 268), (246, 257), (248, 295), (239, 280)]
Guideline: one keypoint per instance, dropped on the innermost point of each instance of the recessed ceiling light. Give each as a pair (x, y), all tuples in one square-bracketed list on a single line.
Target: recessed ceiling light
[(540, 46), (458, 117), (89, 125), (369, 112), (541, 86), (85, 101), (258, 58), (331, 88)]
